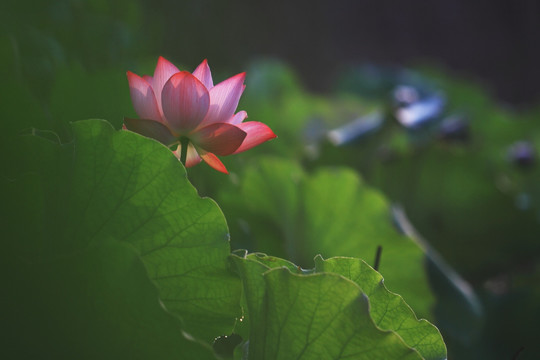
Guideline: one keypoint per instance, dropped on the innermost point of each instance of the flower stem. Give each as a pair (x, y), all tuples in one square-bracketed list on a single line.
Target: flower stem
[(184, 143)]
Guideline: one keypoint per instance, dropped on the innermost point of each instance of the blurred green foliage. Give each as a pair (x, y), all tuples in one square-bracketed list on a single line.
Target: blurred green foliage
[(280, 210)]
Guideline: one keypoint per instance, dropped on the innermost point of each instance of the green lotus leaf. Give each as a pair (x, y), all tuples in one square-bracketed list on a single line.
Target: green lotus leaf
[(312, 316)]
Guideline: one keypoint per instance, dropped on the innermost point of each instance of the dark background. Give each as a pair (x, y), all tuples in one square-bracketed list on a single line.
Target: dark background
[(494, 42)]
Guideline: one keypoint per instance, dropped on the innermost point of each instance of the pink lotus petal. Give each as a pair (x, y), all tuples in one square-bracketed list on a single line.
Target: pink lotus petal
[(224, 99), (257, 133), (192, 157), (163, 72), (213, 161), (185, 102), (238, 118), (152, 129), (220, 138), (202, 72), (148, 79), (143, 98)]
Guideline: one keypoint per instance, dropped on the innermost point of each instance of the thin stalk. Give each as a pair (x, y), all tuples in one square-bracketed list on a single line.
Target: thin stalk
[(378, 258), (184, 143)]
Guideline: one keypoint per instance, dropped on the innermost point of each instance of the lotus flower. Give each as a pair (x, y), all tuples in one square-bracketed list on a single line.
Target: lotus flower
[(182, 109)]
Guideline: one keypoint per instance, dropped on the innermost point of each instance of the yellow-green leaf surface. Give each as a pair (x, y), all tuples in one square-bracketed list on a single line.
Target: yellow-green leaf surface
[(314, 316), (136, 191), (389, 311)]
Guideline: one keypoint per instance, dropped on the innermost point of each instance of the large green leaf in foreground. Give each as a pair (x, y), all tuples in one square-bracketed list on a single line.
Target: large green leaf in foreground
[(389, 311), (136, 191), (295, 314), (69, 208), (95, 304)]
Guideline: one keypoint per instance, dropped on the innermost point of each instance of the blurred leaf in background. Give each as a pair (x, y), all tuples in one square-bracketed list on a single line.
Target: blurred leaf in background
[(282, 210)]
